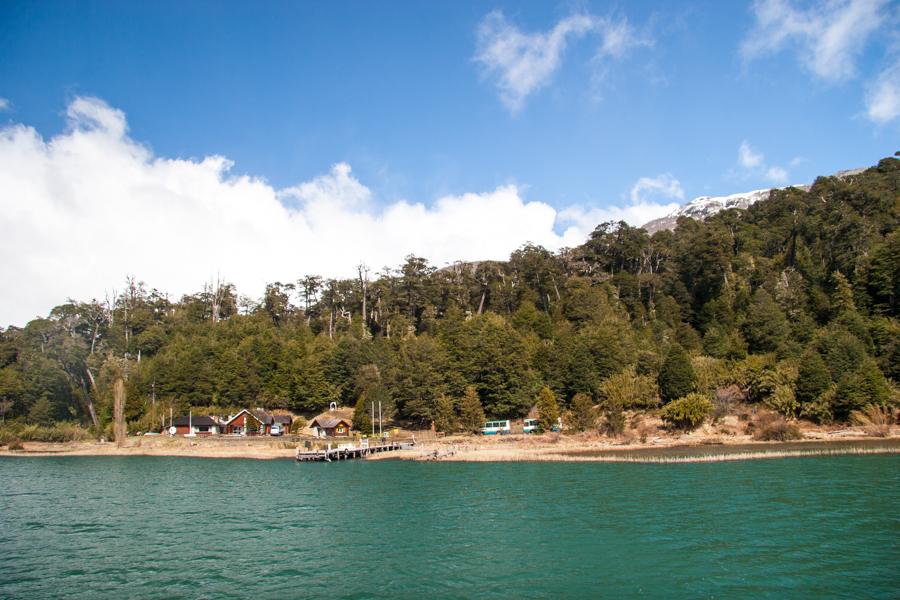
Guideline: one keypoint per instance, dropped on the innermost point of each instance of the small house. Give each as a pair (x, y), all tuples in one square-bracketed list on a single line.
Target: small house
[(199, 425), (247, 422), (285, 421), (324, 426)]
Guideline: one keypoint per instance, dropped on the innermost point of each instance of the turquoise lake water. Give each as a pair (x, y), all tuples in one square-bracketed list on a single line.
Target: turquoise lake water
[(139, 527)]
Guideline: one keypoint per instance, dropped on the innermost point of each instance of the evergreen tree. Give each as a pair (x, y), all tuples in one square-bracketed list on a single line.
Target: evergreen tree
[(471, 413), (444, 415), (582, 416), (842, 296), (765, 326), (676, 376), (813, 377), (548, 409), (362, 420), (41, 412)]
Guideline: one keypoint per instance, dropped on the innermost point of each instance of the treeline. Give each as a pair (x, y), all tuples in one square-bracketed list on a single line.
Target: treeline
[(794, 302)]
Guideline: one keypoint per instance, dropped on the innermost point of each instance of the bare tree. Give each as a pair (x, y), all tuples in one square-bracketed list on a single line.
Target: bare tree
[(363, 272), (119, 411)]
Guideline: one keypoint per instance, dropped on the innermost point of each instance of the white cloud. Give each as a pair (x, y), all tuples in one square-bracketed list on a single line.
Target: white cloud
[(582, 221), (883, 96), (4, 104), (747, 157), (777, 175), (618, 38), (828, 36), (644, 207), (753, 164), (662, 186), (85, 208), (522, 63)]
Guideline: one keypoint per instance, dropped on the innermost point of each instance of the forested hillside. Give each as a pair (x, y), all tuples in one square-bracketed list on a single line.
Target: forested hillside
[(794, 300)]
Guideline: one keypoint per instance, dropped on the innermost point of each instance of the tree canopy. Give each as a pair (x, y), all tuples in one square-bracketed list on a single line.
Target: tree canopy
[(797, 295)]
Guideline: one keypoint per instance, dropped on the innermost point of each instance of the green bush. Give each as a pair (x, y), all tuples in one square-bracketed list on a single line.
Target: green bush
[(58, 432), (629, 390), (688, 412), (711, 374), (676, 377)]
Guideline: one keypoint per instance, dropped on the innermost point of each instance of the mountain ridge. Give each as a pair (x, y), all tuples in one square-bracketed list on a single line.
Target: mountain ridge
[(703, 207)]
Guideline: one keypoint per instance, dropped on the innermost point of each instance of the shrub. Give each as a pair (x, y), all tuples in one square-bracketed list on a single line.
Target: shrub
[(820, 411), (776, 429), (865, 385), (58, 432), (875, 419), (16, 445), (614, 418), (726, 400), (630, 390), (711, 374), (687, 412), (783, 400)]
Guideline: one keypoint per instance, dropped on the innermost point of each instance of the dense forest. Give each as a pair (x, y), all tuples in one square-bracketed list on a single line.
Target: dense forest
[(794, 302)]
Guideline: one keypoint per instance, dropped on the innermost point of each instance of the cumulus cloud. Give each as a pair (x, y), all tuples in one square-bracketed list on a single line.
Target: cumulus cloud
[(883, 97), (827, 36), (648, 195), (747, 157), (581, 221), (85, 208), (521, 63), (663, 186), (778, 175), (753, 164)]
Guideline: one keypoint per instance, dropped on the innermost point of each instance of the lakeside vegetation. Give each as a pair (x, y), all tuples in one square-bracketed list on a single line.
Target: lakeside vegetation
[(791, 304)]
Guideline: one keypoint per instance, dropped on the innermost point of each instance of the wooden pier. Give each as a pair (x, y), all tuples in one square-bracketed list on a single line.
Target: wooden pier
[(348, 452)]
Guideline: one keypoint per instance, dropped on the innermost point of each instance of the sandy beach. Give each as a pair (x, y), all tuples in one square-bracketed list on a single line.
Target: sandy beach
[(698, 446)]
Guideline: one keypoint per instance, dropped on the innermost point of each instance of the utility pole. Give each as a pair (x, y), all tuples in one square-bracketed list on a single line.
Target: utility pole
[(380, 432), (373, 418)]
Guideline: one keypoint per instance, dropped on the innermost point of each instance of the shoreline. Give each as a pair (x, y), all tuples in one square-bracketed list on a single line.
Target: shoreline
[(654, 454), (546, 448)]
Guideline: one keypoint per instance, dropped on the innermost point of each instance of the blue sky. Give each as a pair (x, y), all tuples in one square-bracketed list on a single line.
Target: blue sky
[(583, 107)]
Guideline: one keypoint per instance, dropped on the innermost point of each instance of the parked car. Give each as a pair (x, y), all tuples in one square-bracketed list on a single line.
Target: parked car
[(276, 430), (531, 426)]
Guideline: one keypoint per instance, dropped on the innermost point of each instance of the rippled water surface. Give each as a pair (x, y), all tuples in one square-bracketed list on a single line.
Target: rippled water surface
[(177, 527)]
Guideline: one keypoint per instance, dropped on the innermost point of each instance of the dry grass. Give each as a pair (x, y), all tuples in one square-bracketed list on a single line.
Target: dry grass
[(524, 456), (776, 429), (875, 420)]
